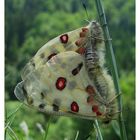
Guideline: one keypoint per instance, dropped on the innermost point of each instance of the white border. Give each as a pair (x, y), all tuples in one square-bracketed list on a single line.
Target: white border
[(2, 69), (137, 69)]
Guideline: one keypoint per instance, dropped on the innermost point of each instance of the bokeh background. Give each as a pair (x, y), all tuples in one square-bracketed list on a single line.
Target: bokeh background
[(29, 24)]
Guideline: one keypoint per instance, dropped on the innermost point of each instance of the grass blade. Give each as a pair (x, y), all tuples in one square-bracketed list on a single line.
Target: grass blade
[(14, 111), (77, 134), (47, 128), (96, 125), (112, 62), (15, 136)]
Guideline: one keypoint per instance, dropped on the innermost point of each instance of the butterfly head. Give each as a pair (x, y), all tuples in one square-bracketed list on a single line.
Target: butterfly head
[(110, 113)]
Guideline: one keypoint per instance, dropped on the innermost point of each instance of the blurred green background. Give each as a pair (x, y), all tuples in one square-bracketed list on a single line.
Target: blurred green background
[(29, 24)]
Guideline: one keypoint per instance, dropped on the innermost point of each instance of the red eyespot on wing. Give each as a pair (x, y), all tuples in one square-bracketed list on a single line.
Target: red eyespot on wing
[(95, 108), (81, 50), (90, 89), (85, 29), (61, 83), (82, 34), (50, 56), (64, 38), (80, 41), (90, 99), (74, 107), (77, 43), (98, 113)]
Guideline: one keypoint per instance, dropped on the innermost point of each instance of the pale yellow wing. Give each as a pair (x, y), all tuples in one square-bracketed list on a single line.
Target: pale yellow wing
[(61, 86)]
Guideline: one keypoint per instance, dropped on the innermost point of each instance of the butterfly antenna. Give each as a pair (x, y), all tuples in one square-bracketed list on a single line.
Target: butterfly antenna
[(98, 38), (85, 8), (117, 112), (115, 97), (98, 20), (115, 119)]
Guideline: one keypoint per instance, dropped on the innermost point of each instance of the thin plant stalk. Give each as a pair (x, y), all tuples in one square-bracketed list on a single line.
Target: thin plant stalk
[(113, 65), (98, 130), (47, 128), (77, 134), (15, 136), (95, 121), (14, 112), (11, 117)]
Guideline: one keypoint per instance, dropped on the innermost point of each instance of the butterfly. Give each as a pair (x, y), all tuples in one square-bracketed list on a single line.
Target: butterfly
[(67, 77)]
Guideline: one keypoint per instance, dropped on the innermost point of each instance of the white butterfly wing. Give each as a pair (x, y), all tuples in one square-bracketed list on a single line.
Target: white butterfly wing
[(70, 41), (59, 86), (57, 81)]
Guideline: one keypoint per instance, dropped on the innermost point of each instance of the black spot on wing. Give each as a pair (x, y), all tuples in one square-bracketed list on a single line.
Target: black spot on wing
[(71, 85), (41, 106), (51, 55), (56, 104), (55, 107), (32, 62), (76, 70), (42, 95), (29, 99), (24, 91), (42, 55)]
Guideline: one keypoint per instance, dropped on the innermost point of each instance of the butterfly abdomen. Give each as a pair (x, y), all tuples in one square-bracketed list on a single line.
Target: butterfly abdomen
[(94, 58)]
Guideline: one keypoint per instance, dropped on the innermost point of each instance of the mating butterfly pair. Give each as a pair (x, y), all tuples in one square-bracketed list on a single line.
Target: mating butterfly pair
[(67, 77)]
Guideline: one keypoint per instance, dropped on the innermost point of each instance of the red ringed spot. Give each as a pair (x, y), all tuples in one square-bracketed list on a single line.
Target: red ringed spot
[(84, 29), (80, 41), (98, 113), (95, 108), (77, 43), (61, 83), (90, 89), (90, 99), (82, 34), (74, 107), (81, 50), (64, 38), (50, 56)]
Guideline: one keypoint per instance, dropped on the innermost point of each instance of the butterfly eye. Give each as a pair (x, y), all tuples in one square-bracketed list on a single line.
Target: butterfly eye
[(109, 115), (106, 121)]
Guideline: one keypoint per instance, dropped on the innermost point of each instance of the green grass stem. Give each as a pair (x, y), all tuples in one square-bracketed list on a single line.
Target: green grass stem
[(98, 130), (47, 128), (112, 62)]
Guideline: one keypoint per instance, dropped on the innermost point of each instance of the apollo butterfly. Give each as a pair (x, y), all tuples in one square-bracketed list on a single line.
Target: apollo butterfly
[(67, 76)]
